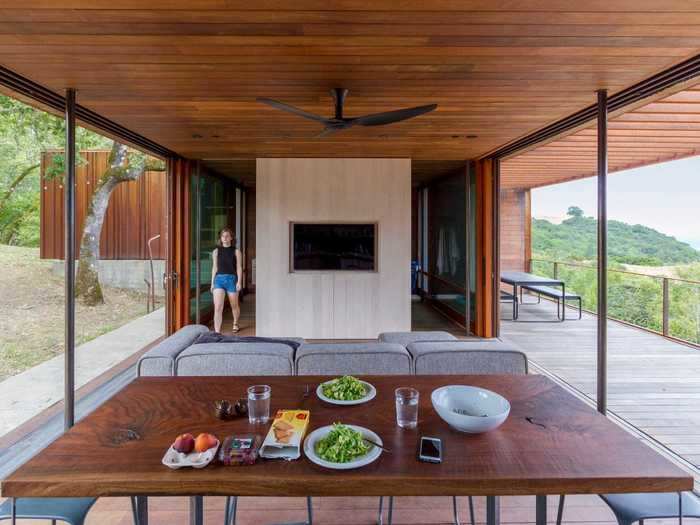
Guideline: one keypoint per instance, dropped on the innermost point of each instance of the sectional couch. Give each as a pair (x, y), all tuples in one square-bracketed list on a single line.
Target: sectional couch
[(391, 353)]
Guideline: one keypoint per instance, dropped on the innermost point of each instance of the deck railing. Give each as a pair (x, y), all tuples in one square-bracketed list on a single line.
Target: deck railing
[(669, 306)]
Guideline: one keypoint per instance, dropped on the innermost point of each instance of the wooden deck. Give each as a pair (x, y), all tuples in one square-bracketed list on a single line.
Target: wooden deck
[(653, 382)]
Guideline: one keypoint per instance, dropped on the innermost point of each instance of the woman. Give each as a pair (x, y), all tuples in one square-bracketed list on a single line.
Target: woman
[(226, 278)]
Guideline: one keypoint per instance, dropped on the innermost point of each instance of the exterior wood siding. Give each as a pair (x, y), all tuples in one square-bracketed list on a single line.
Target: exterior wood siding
[(136, 211), (515, 229)]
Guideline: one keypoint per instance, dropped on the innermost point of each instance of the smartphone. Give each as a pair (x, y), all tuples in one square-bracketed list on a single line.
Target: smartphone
[(430, 450)]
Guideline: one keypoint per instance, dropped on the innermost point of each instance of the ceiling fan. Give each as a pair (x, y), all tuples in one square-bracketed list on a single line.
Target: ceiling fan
[(339, 122)]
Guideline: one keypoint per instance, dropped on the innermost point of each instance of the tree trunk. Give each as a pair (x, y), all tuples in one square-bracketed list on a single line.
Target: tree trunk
[(87, 283), (13, 186)]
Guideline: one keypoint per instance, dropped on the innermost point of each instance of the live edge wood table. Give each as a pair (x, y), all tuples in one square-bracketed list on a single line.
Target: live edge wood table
[(552, 443)]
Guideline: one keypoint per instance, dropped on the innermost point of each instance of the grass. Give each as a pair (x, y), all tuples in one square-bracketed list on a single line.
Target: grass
[(31, 311)]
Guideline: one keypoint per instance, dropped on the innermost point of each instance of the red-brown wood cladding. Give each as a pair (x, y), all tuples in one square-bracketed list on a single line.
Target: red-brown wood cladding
[(136, 211)]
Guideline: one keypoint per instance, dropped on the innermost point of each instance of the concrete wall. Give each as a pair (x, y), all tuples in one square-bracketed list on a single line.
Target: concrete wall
[(333, 304), (515, 229), (125, 274)]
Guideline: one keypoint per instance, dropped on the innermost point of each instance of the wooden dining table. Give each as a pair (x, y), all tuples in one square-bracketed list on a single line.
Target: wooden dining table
[(552, 443)]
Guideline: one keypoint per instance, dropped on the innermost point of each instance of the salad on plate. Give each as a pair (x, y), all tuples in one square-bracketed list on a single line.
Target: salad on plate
[(342, 445), (346, 388)]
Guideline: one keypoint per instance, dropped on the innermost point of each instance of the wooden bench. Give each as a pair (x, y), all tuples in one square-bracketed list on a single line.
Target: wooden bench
[(552, 293)]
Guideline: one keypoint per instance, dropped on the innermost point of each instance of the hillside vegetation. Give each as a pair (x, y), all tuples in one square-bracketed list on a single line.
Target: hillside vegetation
[(575, 239), (636, 299)]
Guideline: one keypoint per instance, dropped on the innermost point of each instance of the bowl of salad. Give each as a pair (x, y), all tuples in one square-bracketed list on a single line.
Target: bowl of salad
[(342, 447), (346, 390)]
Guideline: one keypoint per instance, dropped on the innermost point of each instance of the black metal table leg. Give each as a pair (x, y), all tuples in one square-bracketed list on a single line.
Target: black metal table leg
[(196, 510), (541, 510), (142, 510), (493, 510), (13, 510), (563, 302)]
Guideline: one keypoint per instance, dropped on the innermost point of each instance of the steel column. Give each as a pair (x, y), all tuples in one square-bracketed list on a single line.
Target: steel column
[(69, 262), (602, 321)]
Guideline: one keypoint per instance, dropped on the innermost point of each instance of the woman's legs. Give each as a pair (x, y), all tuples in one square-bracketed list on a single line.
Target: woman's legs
[(219, 301), (235, 308)]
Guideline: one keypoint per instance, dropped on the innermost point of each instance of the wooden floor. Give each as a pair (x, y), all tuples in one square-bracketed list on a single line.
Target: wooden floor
[(653, 382)]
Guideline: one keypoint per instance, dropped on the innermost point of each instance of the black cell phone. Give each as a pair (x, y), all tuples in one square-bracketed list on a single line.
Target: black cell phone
[(430, 450)]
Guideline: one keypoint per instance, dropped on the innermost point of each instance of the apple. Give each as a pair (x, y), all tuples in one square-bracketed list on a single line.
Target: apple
[(184, 443), (204, 442)]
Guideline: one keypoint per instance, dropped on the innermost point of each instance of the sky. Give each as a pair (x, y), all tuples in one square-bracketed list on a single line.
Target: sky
[(665, 197)]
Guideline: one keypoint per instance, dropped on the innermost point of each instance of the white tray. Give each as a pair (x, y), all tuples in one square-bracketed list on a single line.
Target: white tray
[(174, 459)]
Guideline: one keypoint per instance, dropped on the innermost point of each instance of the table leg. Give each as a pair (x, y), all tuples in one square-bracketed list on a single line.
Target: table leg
[(196, 510), (493, 510), (563, 302), (517, 307), (13, 510), (541, 510), (142, 510)]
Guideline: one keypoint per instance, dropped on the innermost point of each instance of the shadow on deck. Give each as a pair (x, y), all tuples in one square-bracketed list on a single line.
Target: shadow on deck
[(653, 382)]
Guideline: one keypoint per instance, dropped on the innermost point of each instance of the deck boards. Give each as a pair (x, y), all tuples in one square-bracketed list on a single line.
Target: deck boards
[(653, 382)]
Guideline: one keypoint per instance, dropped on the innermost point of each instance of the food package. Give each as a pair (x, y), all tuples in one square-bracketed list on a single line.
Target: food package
[(286, 434), (240, 449)]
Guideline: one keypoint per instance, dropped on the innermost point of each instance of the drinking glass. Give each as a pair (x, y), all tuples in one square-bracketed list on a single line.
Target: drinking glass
[(259, 403), (407, 407)]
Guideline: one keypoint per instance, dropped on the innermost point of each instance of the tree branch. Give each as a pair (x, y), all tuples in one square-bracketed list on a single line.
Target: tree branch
[(13, 186)]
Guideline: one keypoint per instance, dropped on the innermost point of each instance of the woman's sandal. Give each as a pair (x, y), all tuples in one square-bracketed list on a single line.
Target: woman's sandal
[(236, 328)]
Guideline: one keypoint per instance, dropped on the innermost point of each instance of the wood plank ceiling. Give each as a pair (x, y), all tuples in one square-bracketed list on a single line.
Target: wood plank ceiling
[(664, 130), (185, 73)]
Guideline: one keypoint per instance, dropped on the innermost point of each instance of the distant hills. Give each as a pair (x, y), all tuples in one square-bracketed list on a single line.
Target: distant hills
[(575, 238)]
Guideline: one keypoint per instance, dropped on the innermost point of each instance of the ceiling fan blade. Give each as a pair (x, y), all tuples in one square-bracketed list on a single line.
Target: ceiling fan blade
[(291, 109), (329, 131), (389, 117)]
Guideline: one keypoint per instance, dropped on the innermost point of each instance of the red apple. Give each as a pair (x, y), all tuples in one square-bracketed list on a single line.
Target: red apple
[(184, 443), (204, 442)]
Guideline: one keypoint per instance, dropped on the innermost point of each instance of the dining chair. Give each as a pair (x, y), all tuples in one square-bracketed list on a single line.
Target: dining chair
[(69, 510), (477, 357), (633, 508)]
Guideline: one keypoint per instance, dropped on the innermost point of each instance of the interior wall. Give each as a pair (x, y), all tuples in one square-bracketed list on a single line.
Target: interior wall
[(515, 229), (333, 305)]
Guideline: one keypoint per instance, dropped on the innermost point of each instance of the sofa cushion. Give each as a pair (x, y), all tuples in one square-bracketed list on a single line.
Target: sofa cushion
[(160, 360), (235, 359), (406, 338), (370, 358), (483, 356)]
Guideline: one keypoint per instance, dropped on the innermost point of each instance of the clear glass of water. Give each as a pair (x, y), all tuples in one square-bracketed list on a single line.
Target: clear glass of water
[(407, 407), (259, 403)]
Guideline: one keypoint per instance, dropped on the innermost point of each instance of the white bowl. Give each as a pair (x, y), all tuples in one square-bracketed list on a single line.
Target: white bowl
[(470, 409)]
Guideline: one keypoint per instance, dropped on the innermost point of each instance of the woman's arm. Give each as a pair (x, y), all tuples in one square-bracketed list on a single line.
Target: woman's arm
[(214, 267), (239, 270)]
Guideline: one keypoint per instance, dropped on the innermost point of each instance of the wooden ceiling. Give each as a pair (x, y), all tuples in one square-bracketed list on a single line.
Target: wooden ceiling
[(185, 73), (664, 130)]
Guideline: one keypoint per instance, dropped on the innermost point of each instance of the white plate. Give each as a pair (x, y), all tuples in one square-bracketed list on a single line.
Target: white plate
[(174, 459), (320, 433), (371, 393)]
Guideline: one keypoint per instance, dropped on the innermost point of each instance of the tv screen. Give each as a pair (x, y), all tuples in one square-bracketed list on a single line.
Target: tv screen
[(333, 247)]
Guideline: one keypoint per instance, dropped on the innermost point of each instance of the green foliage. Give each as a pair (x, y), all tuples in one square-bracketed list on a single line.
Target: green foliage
[(24, 134), (636, 299), (575, 239)]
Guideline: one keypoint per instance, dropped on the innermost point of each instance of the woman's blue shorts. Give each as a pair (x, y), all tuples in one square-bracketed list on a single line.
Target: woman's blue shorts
[(226, 281)]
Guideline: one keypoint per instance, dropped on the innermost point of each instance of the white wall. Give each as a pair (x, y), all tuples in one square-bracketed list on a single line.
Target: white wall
[(333, 305)]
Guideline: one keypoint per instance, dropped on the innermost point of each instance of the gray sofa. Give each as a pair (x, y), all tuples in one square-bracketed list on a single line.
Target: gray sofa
[(391, 353)]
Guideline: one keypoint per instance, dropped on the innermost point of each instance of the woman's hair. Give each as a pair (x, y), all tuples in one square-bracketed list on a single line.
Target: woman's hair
[(222, 231)]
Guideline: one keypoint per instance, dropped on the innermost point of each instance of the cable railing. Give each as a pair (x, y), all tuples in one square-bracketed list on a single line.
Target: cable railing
[(669, 306)]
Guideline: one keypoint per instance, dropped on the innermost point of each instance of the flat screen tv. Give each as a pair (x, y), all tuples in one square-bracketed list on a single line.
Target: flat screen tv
[(336, 247)]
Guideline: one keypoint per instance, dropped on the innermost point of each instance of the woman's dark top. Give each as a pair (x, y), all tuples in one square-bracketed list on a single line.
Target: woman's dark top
[(226, 260)]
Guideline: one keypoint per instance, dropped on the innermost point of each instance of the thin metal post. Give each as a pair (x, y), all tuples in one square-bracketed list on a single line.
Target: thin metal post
[(69, 261), (555, 271), (197, 243), (664, 302), (602, 357)]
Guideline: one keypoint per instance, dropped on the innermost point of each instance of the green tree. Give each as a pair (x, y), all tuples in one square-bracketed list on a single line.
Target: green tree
[(574, 211)]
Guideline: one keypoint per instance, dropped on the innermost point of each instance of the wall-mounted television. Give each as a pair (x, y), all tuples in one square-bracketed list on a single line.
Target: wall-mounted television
[(333, 247)]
